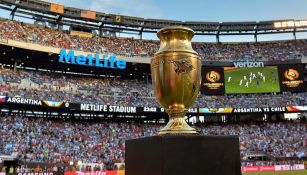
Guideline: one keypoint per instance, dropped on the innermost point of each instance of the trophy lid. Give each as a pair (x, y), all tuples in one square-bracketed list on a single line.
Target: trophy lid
[(175, 39), (175, 28)]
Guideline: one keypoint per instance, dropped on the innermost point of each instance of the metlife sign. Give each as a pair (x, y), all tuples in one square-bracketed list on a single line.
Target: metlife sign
[(104, 61)]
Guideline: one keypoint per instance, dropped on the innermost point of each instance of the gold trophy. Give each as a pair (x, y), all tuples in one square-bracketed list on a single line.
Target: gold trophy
[(176, 77)]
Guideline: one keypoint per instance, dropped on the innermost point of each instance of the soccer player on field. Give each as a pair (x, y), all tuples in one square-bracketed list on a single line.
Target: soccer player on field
[(254, 76), (246, 84), (229, 79), (257, 83)]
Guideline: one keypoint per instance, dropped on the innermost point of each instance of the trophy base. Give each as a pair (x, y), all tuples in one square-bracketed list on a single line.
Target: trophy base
[(183, 155), (177, 126)]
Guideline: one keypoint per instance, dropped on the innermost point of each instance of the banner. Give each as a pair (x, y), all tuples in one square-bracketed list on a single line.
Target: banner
[(121, 109), (2, 40), (120, 172), (257, 168), (212, 80), (81, 34), (252, 110), (299, 166), (88, 14), (106, 108), (143, 110), (249, 168), (119, 18), (282, 167), (289, 167), (267, 168), (259, 110), (21, 100), (2, 99), (291, 77), (296, 108), (35, 174), (215, 110), (160, 110), (56, 8), (113, 172), (56, 104)]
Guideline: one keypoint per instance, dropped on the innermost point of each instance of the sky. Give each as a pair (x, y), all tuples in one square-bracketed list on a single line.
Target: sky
[(201, 10)]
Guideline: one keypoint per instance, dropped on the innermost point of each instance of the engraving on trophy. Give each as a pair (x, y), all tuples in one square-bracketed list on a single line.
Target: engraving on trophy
[(161, 61), (182, 66), (193, 88)]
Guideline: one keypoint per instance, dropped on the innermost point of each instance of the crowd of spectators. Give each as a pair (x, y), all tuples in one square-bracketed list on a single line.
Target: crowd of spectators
[(262, 51), (20, 31), (275, 139), (129, 47), (53, 141), (60, 141), (111, 91)]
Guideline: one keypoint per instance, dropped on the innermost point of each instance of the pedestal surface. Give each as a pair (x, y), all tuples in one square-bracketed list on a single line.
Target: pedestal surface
[(183, 155)]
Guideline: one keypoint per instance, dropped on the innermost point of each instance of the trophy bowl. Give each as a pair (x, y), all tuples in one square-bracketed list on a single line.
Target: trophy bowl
[(176, 77)]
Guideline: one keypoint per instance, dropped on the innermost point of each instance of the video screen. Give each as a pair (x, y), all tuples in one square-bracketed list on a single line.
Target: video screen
[(291, 77), (251, 80), (212, 80)]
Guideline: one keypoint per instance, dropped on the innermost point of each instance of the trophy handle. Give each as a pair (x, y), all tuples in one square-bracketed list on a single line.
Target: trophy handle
[(177, 124)]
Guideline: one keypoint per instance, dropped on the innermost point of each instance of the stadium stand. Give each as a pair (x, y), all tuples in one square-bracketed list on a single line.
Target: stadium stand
[(71, 88), (266, 51), (47, 140)]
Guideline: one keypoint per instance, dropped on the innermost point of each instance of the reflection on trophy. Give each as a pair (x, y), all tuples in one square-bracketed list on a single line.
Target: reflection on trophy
[(176, 77)]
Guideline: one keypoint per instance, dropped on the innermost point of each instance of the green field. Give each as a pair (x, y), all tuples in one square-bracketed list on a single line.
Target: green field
[(256, 80), (298, 172)]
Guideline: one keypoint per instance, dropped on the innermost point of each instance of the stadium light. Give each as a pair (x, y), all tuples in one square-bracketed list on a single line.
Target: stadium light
[(294, 23), (71, 163)]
